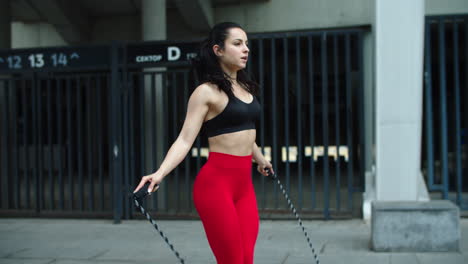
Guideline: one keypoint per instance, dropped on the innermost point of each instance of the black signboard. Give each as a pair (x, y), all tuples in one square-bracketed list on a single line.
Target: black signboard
[(54, 58), (164, 53), (145, 54)]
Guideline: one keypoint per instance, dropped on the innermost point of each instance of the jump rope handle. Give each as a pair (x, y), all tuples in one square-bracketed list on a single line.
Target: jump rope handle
[(143, 192), (273, 176)]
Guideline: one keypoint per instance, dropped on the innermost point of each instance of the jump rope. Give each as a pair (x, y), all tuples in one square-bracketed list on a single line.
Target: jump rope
[(143, 192)]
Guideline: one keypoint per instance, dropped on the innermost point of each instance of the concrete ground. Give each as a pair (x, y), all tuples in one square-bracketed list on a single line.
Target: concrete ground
[(65, 241)]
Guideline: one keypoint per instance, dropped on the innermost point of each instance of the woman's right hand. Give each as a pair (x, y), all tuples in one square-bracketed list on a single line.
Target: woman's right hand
[(154, 179)]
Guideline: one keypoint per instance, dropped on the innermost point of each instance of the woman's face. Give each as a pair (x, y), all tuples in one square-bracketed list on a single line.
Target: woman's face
[(235, 53)]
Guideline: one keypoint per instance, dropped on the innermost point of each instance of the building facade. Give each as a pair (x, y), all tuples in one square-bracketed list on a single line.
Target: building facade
[(360, 101)]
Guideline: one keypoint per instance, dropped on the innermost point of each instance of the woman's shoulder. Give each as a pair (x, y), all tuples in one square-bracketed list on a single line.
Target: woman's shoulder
[(207, 91), (207, 86)]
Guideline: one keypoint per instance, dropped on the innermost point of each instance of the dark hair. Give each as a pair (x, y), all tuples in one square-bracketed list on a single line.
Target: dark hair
[(206, 65)]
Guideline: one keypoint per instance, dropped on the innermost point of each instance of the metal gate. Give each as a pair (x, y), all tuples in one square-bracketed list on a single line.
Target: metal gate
[(54, 133), (77, 138), (445, 116)]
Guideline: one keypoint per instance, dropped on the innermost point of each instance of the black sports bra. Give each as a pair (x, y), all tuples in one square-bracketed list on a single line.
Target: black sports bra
[(236, 116)]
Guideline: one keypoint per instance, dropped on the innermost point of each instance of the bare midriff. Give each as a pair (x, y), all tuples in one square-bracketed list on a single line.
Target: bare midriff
[(239, 143)]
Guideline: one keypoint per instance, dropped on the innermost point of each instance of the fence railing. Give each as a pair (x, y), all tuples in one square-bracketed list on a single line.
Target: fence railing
[(77, 138), (54, 140), (445, 155)]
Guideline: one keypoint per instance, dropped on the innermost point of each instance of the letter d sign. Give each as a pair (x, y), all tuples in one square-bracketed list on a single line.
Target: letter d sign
[(173, 53)]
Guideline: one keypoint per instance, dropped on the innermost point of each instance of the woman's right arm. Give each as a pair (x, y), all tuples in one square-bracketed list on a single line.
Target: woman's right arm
[(197, 109)]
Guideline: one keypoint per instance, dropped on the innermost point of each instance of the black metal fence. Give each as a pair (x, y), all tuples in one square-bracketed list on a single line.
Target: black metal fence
[(55, 143), (75, 141), (312, 119), (445, 110), (311, 126)]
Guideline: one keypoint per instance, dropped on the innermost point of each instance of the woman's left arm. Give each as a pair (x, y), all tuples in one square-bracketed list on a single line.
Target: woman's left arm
[(263, 164)]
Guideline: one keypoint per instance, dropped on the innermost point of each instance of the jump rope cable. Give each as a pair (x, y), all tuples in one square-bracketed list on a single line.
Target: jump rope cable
[(138, 196), (294, 211)]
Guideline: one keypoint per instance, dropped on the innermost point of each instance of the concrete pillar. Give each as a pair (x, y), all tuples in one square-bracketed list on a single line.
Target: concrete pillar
[(369, 103), (369, 125), (5, 24), (153, 19), (399, 37)]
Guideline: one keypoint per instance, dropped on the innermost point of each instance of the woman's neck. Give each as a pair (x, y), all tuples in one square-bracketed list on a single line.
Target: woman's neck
[(232, 74)]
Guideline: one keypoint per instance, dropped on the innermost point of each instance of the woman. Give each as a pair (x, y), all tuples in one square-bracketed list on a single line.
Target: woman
[(225, 105)]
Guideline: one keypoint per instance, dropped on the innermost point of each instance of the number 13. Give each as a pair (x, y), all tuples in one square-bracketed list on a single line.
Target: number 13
[(37, 60)]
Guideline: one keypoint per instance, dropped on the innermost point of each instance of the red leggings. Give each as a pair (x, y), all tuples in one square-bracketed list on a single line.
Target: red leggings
[(224, 197)]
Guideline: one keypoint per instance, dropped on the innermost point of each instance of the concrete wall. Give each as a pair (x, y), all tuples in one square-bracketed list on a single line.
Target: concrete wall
[(28, 35), (177, 29), (273, 15), (107, 29), (280, 15), (438, 7), (129, 28)]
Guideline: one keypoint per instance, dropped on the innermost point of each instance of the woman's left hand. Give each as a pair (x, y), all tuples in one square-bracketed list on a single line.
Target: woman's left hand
[(262, 168)]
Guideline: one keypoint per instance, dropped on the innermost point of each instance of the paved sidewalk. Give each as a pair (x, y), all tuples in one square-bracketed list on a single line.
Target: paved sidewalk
[(40, 241)]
